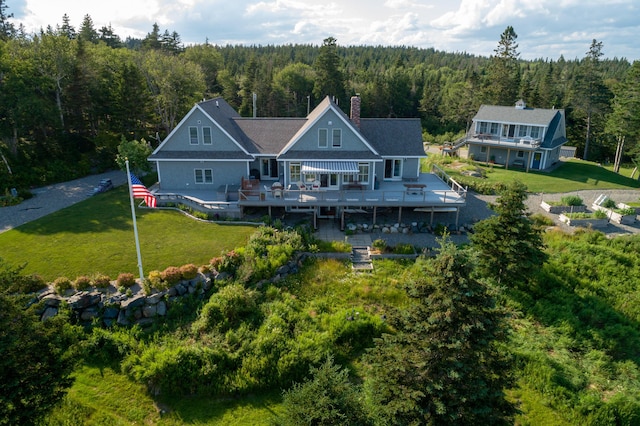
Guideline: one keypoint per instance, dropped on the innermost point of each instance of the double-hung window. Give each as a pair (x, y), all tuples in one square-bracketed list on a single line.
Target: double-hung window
[(193, 135), (323, 138), (207, 139), (294, 172), (204, 176), (363, 173), (336, 138)]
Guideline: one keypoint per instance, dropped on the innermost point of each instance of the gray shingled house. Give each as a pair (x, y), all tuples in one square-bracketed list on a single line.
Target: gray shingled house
[(327, 163), (530, 138)]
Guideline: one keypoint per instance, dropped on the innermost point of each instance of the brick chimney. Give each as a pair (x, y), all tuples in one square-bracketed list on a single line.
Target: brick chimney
[(355, 110)]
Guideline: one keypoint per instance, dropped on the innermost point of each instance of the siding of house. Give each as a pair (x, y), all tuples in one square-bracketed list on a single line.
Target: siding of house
[(180, 140), (309, 141), (180, 175)]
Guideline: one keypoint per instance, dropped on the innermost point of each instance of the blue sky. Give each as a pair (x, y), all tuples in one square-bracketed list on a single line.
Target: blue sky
[(545, 28)]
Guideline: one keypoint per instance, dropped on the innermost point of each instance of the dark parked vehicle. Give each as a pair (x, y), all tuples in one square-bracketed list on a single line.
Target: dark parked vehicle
[(104, 186)]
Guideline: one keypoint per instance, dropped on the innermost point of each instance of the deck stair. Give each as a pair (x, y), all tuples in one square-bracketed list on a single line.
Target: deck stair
[(360, 259)]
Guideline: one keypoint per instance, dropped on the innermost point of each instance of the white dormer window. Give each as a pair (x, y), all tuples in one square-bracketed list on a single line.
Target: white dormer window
[(193, 135)]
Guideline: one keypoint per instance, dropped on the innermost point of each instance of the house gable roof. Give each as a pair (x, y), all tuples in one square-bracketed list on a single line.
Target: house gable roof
[(268, 136), (394, 137), (508, 114), (318, 112)]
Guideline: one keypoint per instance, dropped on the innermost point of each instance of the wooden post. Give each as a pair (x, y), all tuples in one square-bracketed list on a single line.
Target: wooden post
[(374, 214), (400, 214)]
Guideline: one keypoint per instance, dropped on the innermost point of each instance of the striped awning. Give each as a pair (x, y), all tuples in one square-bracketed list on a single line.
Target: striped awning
[(318, 167)]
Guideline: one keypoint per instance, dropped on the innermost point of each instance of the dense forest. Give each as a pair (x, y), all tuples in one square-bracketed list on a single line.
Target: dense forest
[(69, 96)]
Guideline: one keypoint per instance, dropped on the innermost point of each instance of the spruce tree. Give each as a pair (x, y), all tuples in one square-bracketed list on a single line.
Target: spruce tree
[(510, 248), (442, 365), (329, 78)]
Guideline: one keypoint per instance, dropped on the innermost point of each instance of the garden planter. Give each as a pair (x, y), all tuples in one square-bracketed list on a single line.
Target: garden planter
[(562, 209), (585, 223)]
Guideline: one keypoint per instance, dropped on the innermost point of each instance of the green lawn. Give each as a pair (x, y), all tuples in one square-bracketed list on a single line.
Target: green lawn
[(96, 236), (572, 175)]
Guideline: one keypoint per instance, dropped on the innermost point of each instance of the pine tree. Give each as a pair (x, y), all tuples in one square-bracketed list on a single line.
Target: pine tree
[(442, 366), (329, 78), (6, 28), (503, 78), (509, 246)]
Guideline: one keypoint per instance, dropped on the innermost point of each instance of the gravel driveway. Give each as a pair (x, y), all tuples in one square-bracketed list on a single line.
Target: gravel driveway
[(51, 198)]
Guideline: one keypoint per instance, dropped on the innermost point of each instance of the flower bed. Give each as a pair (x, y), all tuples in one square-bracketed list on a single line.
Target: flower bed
[(584, 220)]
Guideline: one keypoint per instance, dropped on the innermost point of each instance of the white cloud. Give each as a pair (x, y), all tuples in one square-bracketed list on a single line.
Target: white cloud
[(545, 28)]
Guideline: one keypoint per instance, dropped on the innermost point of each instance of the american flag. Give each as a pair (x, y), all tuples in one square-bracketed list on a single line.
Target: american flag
[(141, 191)]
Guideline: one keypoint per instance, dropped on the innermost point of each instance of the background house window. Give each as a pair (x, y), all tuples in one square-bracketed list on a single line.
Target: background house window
[(363, 173), (294, 172), (520, 154), (482, 127), (336, 138), (193, 135), (495, 128), (483, 149), (535, 132), (522, 131), (323, 138), (206, 136), (203, 175)]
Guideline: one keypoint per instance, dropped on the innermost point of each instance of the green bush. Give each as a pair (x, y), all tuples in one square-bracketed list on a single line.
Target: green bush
[(155, 279), (82, 282), (379, 244), (62, 284), (404, 249), (229, 307), (125, 279), (571, 200), (609, 204), (102, 280), (189, 271)]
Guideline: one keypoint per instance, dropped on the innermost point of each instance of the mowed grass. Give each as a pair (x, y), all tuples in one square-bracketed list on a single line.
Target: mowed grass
[(96, 236), (571, 175)]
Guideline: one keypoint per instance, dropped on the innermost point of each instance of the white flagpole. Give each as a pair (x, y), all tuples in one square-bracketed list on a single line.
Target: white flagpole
[(135, 226)]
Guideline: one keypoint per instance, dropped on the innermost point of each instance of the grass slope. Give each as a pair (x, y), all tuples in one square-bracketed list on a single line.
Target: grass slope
[(96, 236)]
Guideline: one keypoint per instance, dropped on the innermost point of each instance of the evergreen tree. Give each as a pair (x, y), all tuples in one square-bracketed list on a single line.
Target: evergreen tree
[(153, 40), (590, 94), (327, 398), (329, 78), (88, 32), (624, 121), (110, 37), (509, 246), (34, 371), (6, 28), (442, 366), (503, 78), (67, 29)]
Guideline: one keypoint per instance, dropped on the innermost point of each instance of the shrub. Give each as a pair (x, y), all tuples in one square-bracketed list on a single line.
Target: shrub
[(62, 284), (627, 211), (404, 249), (204, 269), (155, 279), (189, 271), (227, 308), (609, 204), (125, 279), (571, 200), (172, 275), (539, 219), (82, 283), (102, 280), (599, 214), (379, 244)]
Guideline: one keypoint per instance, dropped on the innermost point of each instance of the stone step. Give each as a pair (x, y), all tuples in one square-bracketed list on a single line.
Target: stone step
[(360, 259)]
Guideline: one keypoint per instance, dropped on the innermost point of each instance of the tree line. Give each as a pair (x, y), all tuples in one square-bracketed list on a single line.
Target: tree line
[(68, 96)]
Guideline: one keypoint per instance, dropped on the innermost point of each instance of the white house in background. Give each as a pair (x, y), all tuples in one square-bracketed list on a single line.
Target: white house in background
[(517, 136)]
